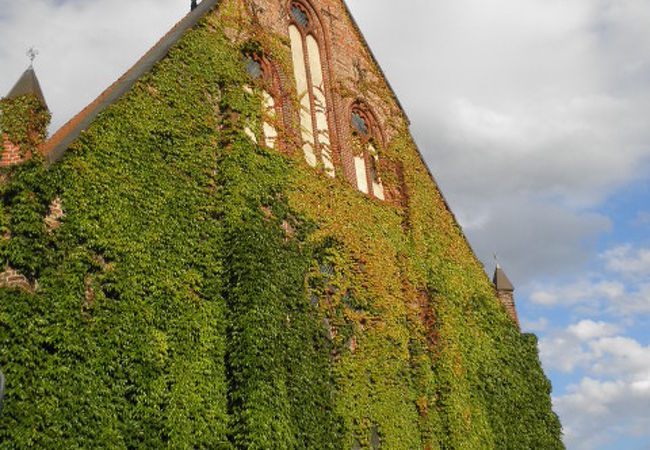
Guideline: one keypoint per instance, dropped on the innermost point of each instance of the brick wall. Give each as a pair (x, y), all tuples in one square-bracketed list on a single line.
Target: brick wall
[(11, 154), (53, 219), (507, 299), (11, 278)]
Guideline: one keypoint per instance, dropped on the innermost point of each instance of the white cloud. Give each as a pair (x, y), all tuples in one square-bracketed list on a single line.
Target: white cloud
[(529, 84), (598, 413), (563, 352), (533, 238), (534, 326), (588, 329), (635, 302), (628, 261), (620, 287), (612, 398), (598, 348), (544, 298), (583, 291)]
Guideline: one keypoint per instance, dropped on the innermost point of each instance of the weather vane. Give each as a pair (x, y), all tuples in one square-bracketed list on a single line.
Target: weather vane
[(496, 259), (32, 53)]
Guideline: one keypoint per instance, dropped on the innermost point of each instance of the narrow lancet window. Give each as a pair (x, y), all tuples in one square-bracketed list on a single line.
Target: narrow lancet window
[(367, 139), (310, 87), (261, 72)]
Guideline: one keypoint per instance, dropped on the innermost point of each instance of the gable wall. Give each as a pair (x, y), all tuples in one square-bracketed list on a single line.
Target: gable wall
[(349, 71)]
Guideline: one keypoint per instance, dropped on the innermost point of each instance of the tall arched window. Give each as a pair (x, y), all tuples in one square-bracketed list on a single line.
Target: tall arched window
[(368, 140), (305, 33), (263, 73)]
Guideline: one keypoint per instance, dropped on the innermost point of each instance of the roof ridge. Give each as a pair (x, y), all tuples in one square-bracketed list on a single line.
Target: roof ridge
[(56, 146), (364, 41)]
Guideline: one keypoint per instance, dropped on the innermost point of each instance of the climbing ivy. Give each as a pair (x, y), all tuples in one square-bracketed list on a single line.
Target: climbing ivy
[(204, 292), (24, 120)]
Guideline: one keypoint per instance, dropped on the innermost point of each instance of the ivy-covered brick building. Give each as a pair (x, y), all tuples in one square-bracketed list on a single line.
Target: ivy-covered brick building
[(239, 246)]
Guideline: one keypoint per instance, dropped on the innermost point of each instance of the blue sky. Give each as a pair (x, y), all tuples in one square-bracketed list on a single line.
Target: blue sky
[(533, 116)]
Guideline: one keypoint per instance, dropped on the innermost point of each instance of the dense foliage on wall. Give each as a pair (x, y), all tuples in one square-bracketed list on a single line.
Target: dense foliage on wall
[(24, 120), (205, 292)]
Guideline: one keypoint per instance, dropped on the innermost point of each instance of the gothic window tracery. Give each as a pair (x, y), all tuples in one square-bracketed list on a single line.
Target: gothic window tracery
[(263, 75), (306, 37), (368, 141)]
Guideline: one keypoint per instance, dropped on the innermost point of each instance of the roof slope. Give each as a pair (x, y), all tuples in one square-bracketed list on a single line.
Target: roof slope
[(56, 146)]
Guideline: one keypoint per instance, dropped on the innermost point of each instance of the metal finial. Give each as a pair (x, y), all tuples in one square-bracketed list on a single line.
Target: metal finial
[(496, 260), (32, 53)]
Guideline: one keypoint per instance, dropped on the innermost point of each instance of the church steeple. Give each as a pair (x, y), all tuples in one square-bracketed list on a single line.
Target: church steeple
[(505, 291), (24, 118)]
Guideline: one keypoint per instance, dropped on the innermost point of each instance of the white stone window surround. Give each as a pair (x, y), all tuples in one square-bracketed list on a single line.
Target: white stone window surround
[(269, 114), (365, 164), (269, 132), (366, 174), (310, 87), (268, 128)]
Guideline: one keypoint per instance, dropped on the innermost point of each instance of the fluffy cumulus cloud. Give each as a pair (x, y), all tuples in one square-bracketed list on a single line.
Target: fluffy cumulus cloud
[(628, 261), (620, 286), (608, 406), (613, 401)]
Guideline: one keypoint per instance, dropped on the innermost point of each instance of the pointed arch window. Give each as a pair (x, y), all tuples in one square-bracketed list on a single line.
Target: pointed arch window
[(263, 74), (368, 141), (305, 34)]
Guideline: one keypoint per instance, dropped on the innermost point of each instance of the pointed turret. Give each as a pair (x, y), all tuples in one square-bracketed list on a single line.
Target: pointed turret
[(27, 84), (24, 118), (505, 292)]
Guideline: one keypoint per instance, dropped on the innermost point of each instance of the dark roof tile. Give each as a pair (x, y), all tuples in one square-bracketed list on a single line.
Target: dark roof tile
[(27, 84), (501, 281)]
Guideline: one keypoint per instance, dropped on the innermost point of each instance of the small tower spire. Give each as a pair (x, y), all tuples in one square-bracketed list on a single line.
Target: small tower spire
[(24, 118), (505, 291), (27, 84)]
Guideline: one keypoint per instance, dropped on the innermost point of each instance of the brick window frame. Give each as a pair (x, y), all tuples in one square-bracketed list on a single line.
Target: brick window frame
[(314, 28)]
